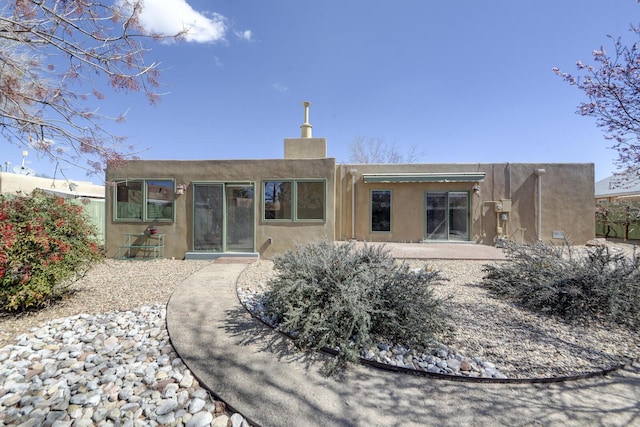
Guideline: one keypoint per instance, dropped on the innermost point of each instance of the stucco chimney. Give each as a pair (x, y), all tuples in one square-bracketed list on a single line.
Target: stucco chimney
[(305, 147), (306, 127)]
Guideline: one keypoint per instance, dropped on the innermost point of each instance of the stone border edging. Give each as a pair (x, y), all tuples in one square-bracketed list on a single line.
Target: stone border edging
[(459, 378)]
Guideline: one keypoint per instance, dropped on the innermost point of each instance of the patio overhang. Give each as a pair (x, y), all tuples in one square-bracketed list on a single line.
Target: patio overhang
[(371, 178)]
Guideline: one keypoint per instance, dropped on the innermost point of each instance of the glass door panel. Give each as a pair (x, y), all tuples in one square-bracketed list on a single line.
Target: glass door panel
[(436, 216), (458, 216), (447, 215), (239, 218), (208, 217)]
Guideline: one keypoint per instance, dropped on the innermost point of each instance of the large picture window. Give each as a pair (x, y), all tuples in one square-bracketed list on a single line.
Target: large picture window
[(294, 200), (381, 210), (144, 200)]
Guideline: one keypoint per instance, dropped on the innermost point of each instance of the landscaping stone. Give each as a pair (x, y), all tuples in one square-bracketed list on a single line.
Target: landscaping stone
[(113, 369)]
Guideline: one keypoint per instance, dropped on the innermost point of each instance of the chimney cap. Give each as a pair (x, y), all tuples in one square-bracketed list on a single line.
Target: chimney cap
[(306, 126)]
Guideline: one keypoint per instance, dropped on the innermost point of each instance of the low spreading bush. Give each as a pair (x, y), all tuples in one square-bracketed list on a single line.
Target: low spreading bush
[(590, 283), (44, 244), (345, 298)]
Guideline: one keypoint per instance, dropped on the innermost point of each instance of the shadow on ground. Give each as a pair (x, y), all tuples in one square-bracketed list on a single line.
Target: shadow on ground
[(257, 373)]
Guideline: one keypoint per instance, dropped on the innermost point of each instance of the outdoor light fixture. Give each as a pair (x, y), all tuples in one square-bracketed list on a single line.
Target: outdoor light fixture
[(180, 189)]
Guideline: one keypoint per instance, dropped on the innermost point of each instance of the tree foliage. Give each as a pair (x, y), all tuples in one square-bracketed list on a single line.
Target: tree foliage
[(45, 243), (377, 150), (55, 55), (612, 86)]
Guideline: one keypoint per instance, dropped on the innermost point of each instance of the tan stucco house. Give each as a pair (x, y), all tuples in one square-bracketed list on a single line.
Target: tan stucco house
[(211, 208)]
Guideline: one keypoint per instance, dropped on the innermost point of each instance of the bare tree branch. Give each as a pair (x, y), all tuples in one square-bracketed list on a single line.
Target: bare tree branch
[(377, 150), (612, 87), (49, 51)]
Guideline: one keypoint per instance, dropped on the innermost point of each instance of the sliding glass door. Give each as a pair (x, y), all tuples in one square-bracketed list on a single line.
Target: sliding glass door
[(239, 218), (223, 217), (447, 215)]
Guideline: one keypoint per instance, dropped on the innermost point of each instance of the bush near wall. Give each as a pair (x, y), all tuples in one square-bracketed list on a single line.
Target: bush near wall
[(44, 245)]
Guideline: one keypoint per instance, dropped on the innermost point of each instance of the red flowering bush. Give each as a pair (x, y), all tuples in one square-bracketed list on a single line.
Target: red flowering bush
[(44, 245)]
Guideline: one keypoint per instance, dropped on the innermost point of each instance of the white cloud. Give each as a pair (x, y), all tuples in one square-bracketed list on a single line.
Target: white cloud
[(244, 35), (280, 87), (170, 17)]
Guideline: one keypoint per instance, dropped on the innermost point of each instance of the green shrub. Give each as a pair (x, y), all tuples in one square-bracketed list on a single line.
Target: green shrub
[(338, 296), (44, 244), (591, 283)]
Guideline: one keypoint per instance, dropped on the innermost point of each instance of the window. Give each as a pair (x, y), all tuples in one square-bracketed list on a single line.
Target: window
[(277, 200), (129, 200), (381, 210), (294, 200), (144, 200), (310, 200)]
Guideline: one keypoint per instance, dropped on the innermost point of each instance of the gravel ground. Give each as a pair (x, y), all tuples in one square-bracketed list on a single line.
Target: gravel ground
[(519, 343), (114, 285)]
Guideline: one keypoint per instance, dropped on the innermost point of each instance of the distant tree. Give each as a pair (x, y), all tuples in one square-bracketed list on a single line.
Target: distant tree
[(612, 87), (54, 57), (377, 150)]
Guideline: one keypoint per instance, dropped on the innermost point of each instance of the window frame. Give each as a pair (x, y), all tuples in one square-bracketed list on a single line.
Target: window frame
[(380, 190), (144, 200), (264, 200), (294, 217)]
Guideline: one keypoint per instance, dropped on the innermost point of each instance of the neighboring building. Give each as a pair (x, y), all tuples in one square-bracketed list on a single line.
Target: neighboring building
[(17, 184), (89, 195), (618, 188), (210, 208)]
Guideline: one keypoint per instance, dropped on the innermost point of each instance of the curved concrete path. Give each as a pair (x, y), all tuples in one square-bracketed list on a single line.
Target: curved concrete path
[(257, 373)]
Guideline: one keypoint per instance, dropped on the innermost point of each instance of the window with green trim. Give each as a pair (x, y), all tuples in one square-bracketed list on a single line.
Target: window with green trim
[(294, 200), (381, 210), (144, 200), (277, 200)]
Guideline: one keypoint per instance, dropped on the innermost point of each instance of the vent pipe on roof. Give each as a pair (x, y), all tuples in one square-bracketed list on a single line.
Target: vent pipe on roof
[(306, 127)]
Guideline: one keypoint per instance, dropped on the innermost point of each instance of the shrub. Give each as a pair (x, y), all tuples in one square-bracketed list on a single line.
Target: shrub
[(592, 283), (340, 297), (44, 244)]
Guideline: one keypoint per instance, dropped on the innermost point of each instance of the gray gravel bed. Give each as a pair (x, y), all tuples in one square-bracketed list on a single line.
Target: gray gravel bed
[(519, 343)]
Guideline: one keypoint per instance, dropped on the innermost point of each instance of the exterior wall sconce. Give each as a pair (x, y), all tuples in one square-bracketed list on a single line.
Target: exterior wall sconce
[(180, 189)]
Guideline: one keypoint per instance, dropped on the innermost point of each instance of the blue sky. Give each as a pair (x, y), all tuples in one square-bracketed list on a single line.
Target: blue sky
[(463, 80)]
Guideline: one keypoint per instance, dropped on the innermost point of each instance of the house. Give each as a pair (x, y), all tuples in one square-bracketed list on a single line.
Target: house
[(88, 194), (209, 208), (620, 187)]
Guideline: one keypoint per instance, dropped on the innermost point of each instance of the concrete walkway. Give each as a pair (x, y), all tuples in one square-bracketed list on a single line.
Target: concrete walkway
[(257, 373)]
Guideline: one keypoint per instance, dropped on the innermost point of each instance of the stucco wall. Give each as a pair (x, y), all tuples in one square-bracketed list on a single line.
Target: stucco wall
[(567, 201), (179, 233)]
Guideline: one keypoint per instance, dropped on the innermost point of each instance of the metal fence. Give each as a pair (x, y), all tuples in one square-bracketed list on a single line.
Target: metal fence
[(620, 220)]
